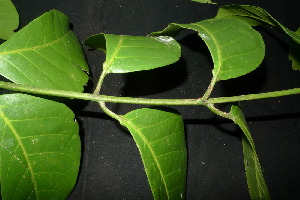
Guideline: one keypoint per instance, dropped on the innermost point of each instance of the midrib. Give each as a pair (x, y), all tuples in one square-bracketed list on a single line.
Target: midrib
[(18, 138), (35, 47)]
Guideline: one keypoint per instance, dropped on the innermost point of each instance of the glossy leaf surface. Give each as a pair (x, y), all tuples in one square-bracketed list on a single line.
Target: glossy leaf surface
[(45, 53), (9, 19), (236, 48), (255, 180), (135, 53), (254, 16), (39, 148), (160, 139)]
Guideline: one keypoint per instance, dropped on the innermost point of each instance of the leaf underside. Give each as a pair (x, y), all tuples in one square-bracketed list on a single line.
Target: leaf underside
[(236, 48), (39, 148), (255, 180), (9, 19), (45, 53), (126, 53), (160, 139)]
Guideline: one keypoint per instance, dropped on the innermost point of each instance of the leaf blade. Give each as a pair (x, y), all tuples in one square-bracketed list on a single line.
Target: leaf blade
[(255, 180), (39, 146), (254, 16), (45, 53), (9, 20), (160, 139), (126, 53), (232, 57)]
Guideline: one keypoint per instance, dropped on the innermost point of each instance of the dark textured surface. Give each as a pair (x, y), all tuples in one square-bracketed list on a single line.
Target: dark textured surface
[(111, 166)]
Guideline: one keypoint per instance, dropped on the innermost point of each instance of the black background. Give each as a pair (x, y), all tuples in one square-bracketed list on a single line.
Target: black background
[(111, 166)]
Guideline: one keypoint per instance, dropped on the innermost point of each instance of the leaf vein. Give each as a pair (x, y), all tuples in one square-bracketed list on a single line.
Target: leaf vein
[(34, 47), (151, 151), (42, 153), (16, 135), (160, 122), (12, 64), (57, 67), (167, 153), (33, 64)]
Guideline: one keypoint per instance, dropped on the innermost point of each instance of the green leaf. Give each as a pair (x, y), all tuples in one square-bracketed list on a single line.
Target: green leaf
[(294, 54), (9, 19), (236, 48), (45, 53), (160, 139), (126, 53), (254, 16), (255, 180), (39, 148), (204, 1)]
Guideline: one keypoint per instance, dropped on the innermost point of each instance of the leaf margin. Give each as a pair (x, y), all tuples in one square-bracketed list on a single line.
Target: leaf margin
[(174, 29), (132, 127), (16, 100), (18, 48), (104, 42), (257, 187), (7, 31)]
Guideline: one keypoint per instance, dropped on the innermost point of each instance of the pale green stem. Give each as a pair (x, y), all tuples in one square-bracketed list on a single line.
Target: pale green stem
[(144, 101), (97, 98), (254, 96)]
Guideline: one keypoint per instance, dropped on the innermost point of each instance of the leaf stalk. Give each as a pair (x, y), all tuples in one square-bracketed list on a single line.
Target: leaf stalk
[(100, 82), (210, 88)]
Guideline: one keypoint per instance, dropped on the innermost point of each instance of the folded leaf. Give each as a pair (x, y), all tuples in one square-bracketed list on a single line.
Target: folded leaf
[(254, 16), (294, 54), (203, 1), (255, 180), (236, 48), (126, 53), (9, 19), (39, 148), (160, 139), (45, 53)]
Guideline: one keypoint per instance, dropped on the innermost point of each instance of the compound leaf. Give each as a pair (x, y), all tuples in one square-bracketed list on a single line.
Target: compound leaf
[(126, 53), (45, 53), (160, 139), (236, 48), (255, 180), (9, 19), (39, 148), (254, 16)]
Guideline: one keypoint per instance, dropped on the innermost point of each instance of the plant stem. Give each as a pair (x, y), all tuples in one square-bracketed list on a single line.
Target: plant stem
[(96, 98), (144, 101), (254, 96)]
